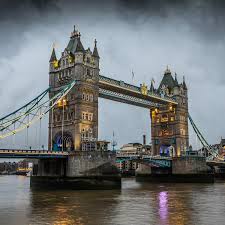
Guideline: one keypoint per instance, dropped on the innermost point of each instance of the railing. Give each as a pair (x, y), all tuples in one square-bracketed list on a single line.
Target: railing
[(31, 153)]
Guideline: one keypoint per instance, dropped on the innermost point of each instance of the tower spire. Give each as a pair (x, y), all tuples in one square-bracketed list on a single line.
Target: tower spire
[(53, 55), (95, 51), (184, 83), (176, 82)]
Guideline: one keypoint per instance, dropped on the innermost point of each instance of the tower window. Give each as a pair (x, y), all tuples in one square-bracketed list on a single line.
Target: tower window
[(87, 97), (91, 97), (83, 96), (90, 116), (88, 72), (83, 115)]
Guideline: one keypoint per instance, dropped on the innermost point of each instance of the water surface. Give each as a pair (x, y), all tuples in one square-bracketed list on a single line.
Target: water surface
[(172, 204)]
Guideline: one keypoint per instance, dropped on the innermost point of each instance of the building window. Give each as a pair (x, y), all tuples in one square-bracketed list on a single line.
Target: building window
[(164, 118), (87, 97), (88, 72), (90, 116), (182, 131), (91, 97), (83, 116), (83, 96), (72, 115)]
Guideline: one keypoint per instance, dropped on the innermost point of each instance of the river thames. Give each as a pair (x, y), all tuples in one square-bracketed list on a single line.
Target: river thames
[(135, 203)]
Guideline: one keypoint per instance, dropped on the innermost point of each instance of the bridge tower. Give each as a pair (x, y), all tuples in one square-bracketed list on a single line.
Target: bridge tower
[(169, 124), (73, 122)]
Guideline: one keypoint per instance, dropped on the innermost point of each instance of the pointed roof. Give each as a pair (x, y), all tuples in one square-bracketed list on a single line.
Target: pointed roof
[(184, 83), (176, 79), (53, 56), (95, 51), (152, 87), (75, 44), (167, 80)]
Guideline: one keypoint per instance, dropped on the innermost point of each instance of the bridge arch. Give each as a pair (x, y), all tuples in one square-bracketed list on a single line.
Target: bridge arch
[(63, 141)]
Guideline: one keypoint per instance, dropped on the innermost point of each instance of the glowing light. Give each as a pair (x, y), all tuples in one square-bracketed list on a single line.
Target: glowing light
[(163, 205), (56, 64)]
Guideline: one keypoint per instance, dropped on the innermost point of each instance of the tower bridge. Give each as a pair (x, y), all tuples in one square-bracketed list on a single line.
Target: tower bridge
[(71, 101)]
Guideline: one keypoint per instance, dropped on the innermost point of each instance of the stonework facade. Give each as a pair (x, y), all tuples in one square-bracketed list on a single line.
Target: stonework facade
[(73, 122), (74, 119), (169, 124)]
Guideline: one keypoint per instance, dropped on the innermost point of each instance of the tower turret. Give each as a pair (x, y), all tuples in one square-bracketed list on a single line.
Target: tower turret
[(79, 114), (170, 122), (53, 56), (95, 51)]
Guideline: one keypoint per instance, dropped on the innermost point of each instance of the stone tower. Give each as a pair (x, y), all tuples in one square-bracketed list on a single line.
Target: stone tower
[(169, 124), (73, 122)]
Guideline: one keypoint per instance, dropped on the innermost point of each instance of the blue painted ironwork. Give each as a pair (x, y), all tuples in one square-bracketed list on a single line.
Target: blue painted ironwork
[(31, 112), (126, 98), (34, 154), (211, 150), (164, 162), (122, 84)]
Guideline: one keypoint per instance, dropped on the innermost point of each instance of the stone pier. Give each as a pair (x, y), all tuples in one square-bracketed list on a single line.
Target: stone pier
[(184, 169), (81, 170)]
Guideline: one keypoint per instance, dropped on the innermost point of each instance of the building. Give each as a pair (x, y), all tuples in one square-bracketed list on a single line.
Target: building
[(169, 124), (131, 149), (73, 122)]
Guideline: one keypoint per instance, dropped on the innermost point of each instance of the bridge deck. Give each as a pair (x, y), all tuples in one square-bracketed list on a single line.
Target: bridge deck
[(35, 154), (120, 91)]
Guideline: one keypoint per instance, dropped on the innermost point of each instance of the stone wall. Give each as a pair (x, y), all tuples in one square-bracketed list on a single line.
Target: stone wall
[(189, 165), (143, 169), (50, 167), (93, 163)]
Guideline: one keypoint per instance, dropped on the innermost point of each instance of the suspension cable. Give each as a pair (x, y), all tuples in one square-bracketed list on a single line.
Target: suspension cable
[(46, 105), (203, 141)]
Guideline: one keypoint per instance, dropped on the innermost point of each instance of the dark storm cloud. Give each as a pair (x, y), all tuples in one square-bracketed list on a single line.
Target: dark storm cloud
[(205, 17), (143, 35)]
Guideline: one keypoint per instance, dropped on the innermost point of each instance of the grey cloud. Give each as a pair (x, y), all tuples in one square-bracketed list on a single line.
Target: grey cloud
[(143, 36)]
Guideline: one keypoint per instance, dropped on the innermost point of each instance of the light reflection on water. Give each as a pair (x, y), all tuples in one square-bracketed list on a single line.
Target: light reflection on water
[(163, 207), (164, 204)]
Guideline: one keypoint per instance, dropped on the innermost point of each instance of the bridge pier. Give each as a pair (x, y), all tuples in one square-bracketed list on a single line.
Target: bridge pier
[(185, 169), (81, 170)]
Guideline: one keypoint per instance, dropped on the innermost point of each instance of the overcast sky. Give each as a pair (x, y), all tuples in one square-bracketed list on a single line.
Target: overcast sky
[(143, 36)]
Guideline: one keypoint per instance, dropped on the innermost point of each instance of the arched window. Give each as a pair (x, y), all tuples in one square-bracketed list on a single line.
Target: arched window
[(83, 96), (88, 72)]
